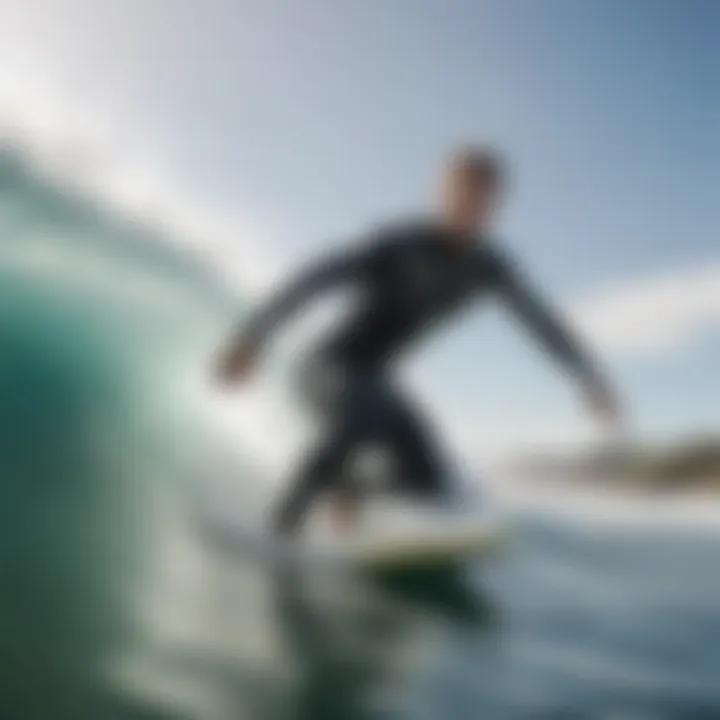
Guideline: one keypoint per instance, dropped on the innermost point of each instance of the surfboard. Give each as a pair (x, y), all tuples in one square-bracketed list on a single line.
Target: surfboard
[(482, 540), (401, 537)]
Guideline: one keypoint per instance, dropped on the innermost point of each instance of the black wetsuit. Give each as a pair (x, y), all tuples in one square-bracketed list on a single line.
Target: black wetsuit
[(410, 278)]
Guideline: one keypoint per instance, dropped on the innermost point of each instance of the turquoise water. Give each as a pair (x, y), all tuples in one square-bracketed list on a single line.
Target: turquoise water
[(116, 604)]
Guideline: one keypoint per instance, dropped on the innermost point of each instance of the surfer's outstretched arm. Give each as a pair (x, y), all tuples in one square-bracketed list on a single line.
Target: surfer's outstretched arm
[(290, 299), (557, 338), (338, 270)]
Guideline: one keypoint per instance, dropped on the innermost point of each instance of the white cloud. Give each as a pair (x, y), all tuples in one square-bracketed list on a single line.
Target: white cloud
[(656, 315)]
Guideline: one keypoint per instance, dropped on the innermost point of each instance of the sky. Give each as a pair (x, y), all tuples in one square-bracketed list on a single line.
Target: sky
[(308, 121)]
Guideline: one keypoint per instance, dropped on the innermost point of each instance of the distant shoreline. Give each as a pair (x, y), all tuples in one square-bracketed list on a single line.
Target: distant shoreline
[(691, 464)]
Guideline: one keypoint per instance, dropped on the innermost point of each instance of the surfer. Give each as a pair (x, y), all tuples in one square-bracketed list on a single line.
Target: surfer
[(409, 277)]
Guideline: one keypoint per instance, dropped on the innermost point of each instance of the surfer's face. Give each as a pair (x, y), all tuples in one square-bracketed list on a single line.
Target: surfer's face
[(469, 202)]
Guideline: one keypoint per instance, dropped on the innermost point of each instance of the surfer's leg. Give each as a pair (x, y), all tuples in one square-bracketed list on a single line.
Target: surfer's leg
[(424, 469), (348, 425), (316, 475)]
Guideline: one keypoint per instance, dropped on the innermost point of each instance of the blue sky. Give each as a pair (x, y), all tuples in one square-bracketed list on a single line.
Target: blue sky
[(314, 118)]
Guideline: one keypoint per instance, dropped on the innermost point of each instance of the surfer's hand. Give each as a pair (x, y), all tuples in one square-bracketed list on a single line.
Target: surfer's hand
[(235, 364)]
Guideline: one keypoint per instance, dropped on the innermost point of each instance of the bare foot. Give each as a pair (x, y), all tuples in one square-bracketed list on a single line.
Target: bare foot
[(344, 514)]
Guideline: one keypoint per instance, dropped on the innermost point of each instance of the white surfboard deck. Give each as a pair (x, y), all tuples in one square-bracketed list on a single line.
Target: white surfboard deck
[(421, 549), (394, 534), (376, 549)]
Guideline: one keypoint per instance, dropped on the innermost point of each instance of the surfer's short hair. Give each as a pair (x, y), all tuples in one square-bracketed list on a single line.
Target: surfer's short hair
[(481, 165)]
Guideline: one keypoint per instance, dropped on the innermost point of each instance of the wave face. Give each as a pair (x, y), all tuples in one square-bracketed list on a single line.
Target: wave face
[(99, 317), (115, 604)]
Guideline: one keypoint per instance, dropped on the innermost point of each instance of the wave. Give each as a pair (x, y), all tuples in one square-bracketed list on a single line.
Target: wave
[(110, 310), (108, 320)]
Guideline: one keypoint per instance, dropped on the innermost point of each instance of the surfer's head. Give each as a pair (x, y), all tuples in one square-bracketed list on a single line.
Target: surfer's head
[(473, 179)]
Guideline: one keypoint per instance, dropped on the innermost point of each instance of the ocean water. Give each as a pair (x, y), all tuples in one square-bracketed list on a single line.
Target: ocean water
[(117, 603)]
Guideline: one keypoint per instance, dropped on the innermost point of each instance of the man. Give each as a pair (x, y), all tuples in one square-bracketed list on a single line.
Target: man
[(410, 278)]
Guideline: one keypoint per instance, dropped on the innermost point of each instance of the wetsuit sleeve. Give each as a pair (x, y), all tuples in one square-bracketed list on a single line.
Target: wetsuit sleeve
[(336, 271), (554, 334)]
